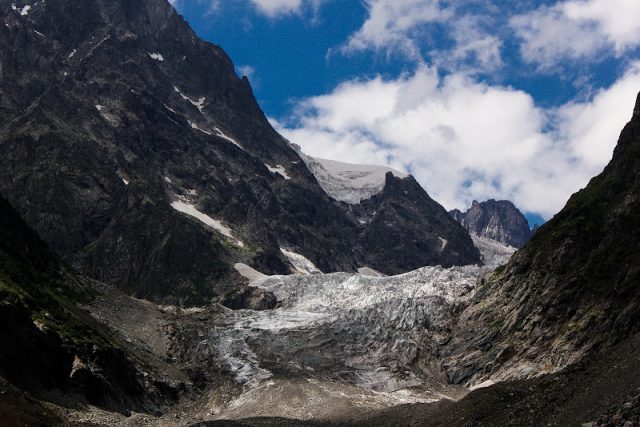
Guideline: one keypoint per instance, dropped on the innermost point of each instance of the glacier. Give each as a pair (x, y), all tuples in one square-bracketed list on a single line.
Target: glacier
[(346, 331)]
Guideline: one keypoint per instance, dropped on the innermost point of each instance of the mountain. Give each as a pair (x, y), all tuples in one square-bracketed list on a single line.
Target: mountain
[(134, 150), (572, 290), (497, 220)]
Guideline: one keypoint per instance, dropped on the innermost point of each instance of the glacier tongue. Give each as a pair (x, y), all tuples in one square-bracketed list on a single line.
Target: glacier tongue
[(367, 331), (378, 334)]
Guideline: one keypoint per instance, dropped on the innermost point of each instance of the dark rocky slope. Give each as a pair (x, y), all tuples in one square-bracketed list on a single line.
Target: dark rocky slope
[(406, 228), (572, 290), (48, 345), (600, 391), (112, 110), (497, 220)]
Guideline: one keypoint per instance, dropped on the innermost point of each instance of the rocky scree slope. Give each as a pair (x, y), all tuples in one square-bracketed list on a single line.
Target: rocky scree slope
[(570, 291), (49, 347), (497, 220), (134, 150)]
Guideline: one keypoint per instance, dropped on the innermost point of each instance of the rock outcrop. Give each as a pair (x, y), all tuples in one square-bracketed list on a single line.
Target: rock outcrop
[(497, 220)]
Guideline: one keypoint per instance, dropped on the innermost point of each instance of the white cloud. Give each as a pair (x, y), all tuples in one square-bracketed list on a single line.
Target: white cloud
[(413, 29), (465, 140), (246, 70), (592, 127), (578, 29), (277, 8), (391, 25), (269, 8)]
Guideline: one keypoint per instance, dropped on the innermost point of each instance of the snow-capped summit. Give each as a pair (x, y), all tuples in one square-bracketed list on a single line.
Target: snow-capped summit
[(348, 182)]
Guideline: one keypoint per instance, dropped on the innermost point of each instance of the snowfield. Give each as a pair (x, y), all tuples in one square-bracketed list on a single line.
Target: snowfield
[(347, 182)]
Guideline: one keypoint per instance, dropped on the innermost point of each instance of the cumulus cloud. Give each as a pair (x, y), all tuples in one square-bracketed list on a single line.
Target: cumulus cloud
[(279, 8), (392, 25), (466, 140), (578, 29), (269, 8), (275, 8), (417, 29)]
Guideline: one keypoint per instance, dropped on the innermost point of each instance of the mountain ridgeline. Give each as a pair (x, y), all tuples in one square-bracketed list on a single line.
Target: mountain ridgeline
[(134, 150)]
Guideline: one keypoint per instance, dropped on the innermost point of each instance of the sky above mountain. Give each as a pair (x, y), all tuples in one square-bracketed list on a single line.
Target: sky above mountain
[(477, 99)]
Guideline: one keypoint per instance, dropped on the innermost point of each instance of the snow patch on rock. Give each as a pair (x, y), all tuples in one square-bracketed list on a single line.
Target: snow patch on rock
[(280, 170), (156, 56), (199, 104), (196, 127), (228, 138), (189, 209), (23, 11), (249, 272), (370, 272)]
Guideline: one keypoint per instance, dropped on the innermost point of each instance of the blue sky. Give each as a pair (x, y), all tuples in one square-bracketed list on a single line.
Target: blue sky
[(478, 98)]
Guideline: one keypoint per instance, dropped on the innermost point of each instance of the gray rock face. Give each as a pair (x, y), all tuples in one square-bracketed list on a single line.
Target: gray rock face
[(406, 229), (135, 151), (497, 220)]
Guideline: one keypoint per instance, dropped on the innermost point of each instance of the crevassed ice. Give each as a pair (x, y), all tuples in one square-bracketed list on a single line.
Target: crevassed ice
[(366, 329), (300, 262), (493, 253)]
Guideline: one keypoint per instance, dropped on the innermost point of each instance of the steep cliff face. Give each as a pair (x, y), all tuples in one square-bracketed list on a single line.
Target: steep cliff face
[(134, 150), (572, 289), (497, 220)]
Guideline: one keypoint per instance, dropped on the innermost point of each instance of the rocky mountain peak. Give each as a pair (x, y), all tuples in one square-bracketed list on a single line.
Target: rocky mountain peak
[(497, 220)]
